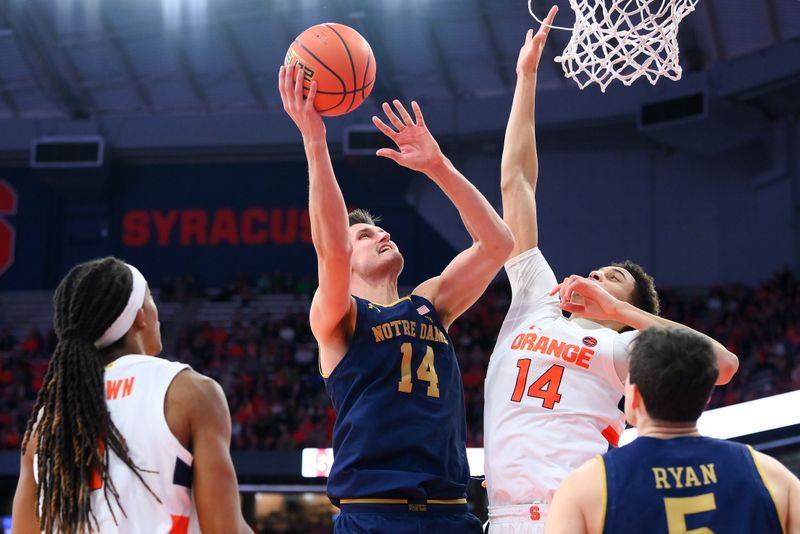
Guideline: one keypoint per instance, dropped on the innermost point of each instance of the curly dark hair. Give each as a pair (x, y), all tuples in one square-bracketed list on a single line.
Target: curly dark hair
[(645, 296)]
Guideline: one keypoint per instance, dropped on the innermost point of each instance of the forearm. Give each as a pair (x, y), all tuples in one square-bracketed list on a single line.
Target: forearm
[(639, 319), (480, 218), (519, 159), (327, 210)]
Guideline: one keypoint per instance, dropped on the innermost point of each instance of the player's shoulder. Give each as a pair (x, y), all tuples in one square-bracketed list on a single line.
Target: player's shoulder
[(775, 472), (196, 390), (585, 479)]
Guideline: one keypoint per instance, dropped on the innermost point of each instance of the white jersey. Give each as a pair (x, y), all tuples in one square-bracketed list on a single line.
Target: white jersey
[(135, 388), (552, 391)]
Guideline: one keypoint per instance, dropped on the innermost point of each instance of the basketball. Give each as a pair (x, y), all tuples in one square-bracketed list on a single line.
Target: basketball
[(340, 60)]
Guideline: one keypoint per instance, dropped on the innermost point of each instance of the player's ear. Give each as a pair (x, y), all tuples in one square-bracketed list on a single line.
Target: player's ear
[(140, 322), (636, 397)]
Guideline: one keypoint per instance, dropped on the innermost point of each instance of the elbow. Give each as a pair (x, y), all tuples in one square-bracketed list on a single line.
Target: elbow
[(728, 365), (501, 246), (510, 178), (508, 243)]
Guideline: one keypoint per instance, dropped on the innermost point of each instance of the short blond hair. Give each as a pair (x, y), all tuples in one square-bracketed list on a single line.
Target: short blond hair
[(361, 216)]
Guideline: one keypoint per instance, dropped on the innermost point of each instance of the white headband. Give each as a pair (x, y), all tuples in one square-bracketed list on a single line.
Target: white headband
[(125, 320)]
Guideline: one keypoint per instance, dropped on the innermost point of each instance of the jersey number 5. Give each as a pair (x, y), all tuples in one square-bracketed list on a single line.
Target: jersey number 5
[(545, 387), (677, 508), (425, 372)]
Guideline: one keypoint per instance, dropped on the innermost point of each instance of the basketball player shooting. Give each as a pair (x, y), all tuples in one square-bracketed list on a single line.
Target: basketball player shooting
[(553, 385), (400, 436)]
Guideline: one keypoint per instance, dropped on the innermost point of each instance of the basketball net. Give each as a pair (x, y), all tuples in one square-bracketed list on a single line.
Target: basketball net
[(623, 40)]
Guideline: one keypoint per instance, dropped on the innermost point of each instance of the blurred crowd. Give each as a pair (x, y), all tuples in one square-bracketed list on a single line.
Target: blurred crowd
[(267, 364)]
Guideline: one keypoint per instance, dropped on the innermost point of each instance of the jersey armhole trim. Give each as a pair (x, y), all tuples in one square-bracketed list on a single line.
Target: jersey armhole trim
[(766, 485), (182, 452), (319, 368), (356, 302), (611, 366), (533, 251), (604, 492)]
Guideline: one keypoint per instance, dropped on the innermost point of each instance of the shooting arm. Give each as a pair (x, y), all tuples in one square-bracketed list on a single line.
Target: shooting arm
[(329, 225), (468, 275)]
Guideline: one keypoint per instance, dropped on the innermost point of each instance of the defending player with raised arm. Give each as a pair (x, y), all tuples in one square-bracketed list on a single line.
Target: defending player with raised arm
[(393, 378), (553, 385), (670, 478)]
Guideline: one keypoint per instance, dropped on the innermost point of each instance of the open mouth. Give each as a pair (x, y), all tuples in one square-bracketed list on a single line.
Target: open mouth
[(384, 248)]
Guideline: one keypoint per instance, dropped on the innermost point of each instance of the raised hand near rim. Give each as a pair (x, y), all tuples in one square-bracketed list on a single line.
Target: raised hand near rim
[(531, 52), (417, 149), (595, 302), (301, 110)]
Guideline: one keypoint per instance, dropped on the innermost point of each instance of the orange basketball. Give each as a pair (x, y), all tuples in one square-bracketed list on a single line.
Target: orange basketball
[(340, 60)]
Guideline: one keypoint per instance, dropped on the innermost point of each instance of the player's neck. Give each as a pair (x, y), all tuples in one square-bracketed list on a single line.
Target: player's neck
[(613, 325), (380, 291), (131, 346), (666, 429)]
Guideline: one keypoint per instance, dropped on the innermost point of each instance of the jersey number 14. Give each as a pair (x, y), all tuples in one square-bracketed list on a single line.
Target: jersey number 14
[(545, 387), (425, 372)]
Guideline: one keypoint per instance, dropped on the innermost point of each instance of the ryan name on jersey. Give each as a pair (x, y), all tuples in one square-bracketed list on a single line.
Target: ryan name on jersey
[(684, 476)]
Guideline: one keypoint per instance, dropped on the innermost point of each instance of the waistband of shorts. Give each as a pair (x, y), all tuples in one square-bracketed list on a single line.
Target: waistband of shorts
[(403, 506), (534, 511)]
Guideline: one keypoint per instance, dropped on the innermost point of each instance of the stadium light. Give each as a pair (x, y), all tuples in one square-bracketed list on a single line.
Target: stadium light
[(743, 419), (177, 13)]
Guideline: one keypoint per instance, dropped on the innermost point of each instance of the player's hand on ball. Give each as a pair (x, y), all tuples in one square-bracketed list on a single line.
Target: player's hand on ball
[(531, 52), (418, 150), (586, 297), (300, 109)]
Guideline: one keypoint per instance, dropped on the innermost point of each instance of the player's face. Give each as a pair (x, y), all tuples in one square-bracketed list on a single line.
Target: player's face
[(373, 249), (616, 280), (152, 333)]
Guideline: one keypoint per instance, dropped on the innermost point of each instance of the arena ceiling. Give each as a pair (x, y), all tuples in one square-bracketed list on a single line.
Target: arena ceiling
[(79, 60)]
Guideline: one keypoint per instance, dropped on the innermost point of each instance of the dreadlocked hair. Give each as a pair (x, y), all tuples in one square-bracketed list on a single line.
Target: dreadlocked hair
[(73, 429)]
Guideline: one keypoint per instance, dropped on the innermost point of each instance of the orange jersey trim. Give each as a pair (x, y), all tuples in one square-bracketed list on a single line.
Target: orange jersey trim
[(611, 435), (180, 524)]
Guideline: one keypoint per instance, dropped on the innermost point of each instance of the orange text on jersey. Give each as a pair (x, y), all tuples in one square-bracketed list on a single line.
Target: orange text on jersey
[(119, 388), (573, 354)]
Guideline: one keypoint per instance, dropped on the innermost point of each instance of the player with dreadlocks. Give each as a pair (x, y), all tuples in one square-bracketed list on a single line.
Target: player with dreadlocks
[(121, 441)]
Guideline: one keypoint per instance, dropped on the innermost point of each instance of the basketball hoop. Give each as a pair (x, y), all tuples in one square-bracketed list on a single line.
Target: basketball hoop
[(622, 40)]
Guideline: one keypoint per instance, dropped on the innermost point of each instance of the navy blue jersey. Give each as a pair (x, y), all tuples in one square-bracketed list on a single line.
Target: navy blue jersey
[(400, 429), (674, 485)]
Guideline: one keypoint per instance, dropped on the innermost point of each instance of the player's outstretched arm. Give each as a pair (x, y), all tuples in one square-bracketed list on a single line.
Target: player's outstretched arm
[(214, 484), (577, 506), (466, 277), (599, 304), (328, 212), (519, 169), (23, 514)]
